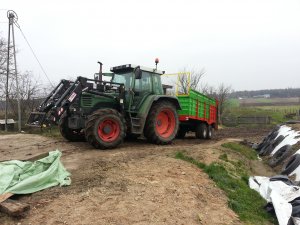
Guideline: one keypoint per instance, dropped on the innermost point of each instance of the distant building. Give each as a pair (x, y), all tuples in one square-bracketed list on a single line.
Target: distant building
[(262, 96)]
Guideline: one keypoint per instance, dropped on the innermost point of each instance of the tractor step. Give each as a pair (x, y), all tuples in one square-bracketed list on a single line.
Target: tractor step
[(36, 119), (136, 125)]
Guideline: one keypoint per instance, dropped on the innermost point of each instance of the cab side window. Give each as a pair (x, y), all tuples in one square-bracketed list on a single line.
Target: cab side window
[(144, 84), (157, 87)]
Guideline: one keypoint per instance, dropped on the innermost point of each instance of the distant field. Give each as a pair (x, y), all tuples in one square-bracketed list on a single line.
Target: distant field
[(269, 102), (279, 109)]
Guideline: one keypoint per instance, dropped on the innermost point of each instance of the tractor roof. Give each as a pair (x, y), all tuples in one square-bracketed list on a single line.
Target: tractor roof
[(127, 67)]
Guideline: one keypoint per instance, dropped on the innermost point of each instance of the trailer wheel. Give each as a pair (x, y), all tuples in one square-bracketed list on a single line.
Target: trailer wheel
[(105, 129), (210, 132), (162, 123), (73, 135), (201, 131)]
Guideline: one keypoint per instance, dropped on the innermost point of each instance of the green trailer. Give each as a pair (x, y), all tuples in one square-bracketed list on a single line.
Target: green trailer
[(199, 114)]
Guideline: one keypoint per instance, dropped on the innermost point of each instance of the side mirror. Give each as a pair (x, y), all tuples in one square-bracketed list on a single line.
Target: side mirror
[(138, 73)]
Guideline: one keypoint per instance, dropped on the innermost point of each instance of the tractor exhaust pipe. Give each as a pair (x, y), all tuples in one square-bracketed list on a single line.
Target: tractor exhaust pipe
[(100, 71)]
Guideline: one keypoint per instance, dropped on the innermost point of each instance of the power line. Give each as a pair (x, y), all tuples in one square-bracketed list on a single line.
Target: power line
[(42, 68)]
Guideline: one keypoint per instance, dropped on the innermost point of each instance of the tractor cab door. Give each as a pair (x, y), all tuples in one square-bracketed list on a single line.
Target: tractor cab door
[(142, 88)]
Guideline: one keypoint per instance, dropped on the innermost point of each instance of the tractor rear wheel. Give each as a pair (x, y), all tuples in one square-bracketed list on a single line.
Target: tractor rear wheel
[(68, 133), (105, 129), (162, 123), (201, 131)]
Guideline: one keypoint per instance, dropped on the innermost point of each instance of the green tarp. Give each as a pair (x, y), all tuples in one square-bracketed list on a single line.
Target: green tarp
[(20, 177)]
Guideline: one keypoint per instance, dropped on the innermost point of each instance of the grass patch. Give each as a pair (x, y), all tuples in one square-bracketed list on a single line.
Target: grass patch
[(246, 151), (224, 157), (8, 132), (180, 155), (247, 203)]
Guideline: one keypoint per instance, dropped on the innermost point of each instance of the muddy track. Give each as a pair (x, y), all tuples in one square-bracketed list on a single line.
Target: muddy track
[(138, 183)]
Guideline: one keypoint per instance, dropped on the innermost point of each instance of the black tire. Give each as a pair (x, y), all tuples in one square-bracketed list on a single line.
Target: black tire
[(201, 131), (277, 141), (291, 165), (210, 132), (181, 133), (280, 155), (273, 135), (74, 135), (162, 115), (261, 145), (266, 150), (113, 122)]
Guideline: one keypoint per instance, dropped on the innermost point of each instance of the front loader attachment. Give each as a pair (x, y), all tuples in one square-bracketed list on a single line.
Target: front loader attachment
[(37, 119)]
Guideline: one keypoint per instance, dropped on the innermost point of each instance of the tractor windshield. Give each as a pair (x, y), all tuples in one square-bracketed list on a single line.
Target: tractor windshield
[(123, 78)]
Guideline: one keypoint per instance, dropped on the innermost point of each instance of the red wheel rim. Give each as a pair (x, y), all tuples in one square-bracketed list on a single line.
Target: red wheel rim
[(165, 123), (108, 130)]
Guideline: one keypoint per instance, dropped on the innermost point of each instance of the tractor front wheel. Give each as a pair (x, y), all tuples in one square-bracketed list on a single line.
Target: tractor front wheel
[(73, 135), (162, 123), (105, 129)]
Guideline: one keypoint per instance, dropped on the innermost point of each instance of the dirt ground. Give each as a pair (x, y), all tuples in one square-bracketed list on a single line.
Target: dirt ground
[(138, 183)]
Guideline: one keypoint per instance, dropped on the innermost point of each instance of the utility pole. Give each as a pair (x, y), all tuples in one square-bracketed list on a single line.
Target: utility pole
[(13, 18)]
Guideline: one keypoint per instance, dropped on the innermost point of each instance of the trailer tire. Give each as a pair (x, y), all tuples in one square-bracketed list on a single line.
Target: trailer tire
[(280, 155), (291, 165), (105, 129), (74, 135), (210, 132), (162, 123), (201, 131)]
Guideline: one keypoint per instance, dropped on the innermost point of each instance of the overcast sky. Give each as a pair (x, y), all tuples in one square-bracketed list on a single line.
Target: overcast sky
[(249, 45)]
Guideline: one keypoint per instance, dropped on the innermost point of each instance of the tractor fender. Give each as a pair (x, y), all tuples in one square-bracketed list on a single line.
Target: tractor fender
[(150, 101), (172, 99)]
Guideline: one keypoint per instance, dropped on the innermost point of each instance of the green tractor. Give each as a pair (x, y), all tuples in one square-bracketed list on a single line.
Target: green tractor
[(102, 111)]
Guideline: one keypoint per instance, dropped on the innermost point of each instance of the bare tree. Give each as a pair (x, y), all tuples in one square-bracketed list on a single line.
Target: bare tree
[(29, 87), (221, 94), (30, 91), (3, 66), (190, 79)]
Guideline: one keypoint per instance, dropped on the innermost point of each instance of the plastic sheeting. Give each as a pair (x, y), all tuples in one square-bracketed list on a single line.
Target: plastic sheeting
[(280, 194), (19, 177)]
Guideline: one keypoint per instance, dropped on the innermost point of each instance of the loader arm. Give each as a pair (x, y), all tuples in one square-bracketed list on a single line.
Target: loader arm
[(51, 109), (63, 95)]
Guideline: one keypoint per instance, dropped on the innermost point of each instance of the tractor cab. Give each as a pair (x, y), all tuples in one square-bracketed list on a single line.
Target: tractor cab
[(138, 78), (139, 83)]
